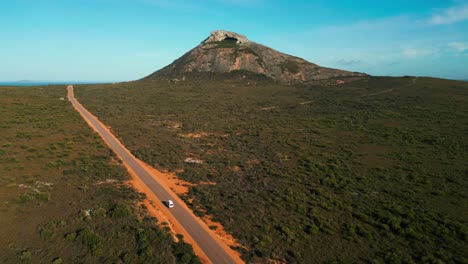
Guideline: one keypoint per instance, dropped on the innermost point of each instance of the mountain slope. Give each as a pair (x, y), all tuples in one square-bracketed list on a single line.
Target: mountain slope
[(226, 51)]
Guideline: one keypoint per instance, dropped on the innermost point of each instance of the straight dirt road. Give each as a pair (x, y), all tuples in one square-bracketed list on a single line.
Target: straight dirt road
[(207, 242)]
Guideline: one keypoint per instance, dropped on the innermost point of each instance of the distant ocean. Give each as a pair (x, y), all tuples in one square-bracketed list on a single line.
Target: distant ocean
[(34, 83)]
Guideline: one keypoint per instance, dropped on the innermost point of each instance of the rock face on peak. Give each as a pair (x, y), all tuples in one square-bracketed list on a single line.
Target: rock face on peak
[(222, 35), (225, 51)]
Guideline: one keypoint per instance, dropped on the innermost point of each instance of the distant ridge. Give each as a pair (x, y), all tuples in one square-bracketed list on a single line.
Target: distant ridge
[(225, 51), (42, 83)]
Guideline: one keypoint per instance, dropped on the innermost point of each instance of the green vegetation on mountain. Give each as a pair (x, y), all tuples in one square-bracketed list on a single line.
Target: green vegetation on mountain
[(227, 43), (63, 196), (368, 171)]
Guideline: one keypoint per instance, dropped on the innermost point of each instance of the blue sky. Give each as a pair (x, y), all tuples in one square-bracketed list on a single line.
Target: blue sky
[(117, 40)]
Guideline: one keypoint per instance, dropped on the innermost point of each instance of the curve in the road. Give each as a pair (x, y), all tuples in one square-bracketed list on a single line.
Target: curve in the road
[(199, 232)]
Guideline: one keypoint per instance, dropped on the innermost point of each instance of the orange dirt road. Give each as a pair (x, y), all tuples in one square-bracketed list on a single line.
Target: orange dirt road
[(213, 250)]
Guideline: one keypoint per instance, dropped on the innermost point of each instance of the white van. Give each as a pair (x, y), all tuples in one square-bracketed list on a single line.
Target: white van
[(169, 203)]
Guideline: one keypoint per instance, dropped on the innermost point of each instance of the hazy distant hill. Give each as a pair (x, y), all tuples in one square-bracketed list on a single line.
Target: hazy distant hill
[(40, 83)]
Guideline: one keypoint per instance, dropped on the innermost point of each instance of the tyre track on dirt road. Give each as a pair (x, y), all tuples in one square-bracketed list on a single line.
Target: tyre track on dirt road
[(413, 81)]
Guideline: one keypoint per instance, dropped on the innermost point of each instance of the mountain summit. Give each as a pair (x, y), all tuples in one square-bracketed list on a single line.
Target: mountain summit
[(225, 51)]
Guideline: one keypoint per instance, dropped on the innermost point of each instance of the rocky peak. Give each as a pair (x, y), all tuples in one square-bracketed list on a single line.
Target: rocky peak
[(222, 35), (225, 51)]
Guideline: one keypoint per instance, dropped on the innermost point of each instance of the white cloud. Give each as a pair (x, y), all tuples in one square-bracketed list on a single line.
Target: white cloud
[(450, 15), (347, 62), (417, 52), (458, 46)]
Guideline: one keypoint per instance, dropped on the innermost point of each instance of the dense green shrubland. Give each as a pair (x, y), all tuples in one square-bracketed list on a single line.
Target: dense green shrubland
[(56, 203), (310, 173)]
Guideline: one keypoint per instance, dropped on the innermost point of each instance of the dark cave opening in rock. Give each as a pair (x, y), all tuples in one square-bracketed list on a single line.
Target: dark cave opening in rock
[(229, 39)]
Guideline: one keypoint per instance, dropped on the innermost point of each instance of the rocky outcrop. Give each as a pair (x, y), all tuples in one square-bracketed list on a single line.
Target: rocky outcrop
[(225, 51), (221, 35)]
